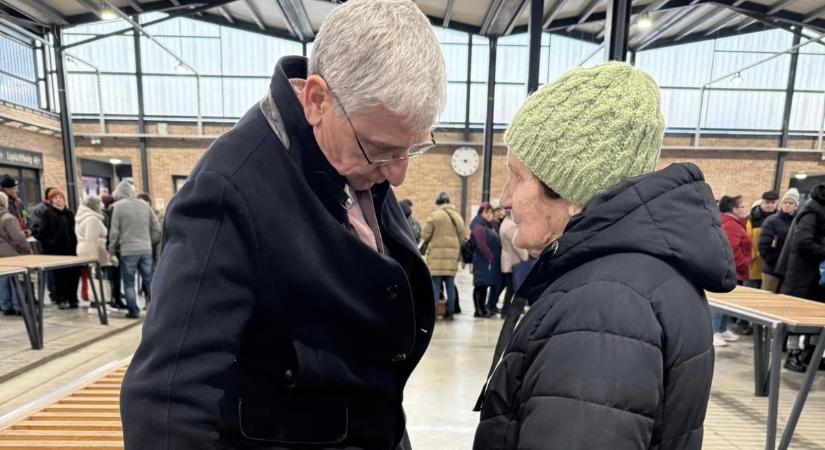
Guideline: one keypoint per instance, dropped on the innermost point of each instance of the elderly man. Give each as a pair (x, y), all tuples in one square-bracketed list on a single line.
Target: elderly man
[(16, 208), (298, 330)]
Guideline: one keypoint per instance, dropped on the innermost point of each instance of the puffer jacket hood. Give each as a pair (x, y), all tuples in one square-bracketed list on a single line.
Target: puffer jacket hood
[(85, 213), (670, 215), (125, 189)]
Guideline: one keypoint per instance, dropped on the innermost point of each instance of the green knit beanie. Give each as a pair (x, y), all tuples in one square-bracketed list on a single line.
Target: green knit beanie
[(589, 130)]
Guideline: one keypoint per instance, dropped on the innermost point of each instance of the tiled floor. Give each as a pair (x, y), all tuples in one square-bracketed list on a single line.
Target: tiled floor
[(442, 391)]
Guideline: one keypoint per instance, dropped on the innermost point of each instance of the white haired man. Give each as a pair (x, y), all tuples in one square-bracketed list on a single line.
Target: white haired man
[(298, 330)]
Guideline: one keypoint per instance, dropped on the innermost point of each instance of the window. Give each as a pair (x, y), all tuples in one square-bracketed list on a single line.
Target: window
[(177, 182)]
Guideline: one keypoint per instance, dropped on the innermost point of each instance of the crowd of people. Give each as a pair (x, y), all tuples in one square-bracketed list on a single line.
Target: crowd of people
[(121, 231), (487, 244)]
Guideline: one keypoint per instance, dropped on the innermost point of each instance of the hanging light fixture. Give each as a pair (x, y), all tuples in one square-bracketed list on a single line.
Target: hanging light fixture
[(645, 22), (71, 64), (801, 176), (108, 14), (180, 68), (737, 79), (115, 161)]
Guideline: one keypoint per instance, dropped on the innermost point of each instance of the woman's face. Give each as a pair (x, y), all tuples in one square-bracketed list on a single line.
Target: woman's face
[(539, 219), (59, 202), (740, 211), (487, 215), (788, 206)]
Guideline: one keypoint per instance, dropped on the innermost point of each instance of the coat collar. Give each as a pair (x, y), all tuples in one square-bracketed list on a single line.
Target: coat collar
[(325, 181)]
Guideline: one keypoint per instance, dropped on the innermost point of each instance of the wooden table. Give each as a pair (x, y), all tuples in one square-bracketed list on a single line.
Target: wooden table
[(25, 297), (781, 314), (41, 264), (82, 415)]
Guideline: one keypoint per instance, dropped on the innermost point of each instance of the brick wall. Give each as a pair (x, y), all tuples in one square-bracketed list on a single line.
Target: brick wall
[(746, 173)]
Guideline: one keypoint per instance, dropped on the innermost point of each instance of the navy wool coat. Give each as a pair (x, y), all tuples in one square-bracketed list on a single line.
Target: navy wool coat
[(272, 326), (616, 352)]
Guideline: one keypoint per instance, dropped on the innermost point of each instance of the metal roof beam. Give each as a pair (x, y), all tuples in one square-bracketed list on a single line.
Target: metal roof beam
[(165, 6), (516, 15), (43, 8), (448, 13), (586, 13), (780, 5), (256, 16), (296, 18), (700, 36), (554, 10), (135, 5), (728, 22), (663, 27), (697, 23), (492, 15), (813, 19), (226, 14), (245, 26)]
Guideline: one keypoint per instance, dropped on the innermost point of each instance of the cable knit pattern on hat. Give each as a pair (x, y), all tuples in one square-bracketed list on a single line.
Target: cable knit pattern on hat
[(589, 130)]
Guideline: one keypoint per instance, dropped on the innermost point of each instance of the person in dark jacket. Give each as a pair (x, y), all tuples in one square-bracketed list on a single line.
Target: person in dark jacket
[(282, 331), (772, 238), (58, 238), (767, 207), (12, 243), (615, 352), (807, 249), (487, 280), (16, 208), (113, 271), (406, 207)]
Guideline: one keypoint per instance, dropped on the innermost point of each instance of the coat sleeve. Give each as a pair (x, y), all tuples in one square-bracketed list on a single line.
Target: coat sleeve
[(741, 259), (114, 231), (203, 295), (766, 235), (597, 381), (804, 240), (47, 229), (480, 239), (154, 227), (427, 230), (18, 238)]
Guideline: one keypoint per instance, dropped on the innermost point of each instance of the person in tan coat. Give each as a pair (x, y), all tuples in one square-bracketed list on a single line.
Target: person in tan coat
[(12, 243), (443, 234)]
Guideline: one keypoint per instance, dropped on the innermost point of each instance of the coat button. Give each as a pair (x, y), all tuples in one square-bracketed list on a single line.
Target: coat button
[(392, 292), (288, 375), (399, 357)]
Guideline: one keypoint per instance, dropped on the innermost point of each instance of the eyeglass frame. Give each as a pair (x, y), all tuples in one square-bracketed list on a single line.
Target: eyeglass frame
[(426, 146)]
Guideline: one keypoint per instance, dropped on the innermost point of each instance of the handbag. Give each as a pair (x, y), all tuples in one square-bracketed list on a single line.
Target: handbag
[(466, 248)]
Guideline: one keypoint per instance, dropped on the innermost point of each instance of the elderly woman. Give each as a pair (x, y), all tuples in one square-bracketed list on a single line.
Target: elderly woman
[(58, 238), (91, 236), (615, 351), (12, 243), (486, 261)]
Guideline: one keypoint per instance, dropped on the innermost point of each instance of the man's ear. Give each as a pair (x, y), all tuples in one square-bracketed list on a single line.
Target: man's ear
[(316, 99)]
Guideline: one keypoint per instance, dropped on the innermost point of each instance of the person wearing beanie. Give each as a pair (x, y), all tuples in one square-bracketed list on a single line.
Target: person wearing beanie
[(12, 243), (443, 233), (16, 208), (615, 350), (772, 236), (765, 208), (134, 230), (57, 236)]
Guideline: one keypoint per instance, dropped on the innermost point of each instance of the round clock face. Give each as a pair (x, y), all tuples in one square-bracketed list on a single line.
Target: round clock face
[(465, 161)]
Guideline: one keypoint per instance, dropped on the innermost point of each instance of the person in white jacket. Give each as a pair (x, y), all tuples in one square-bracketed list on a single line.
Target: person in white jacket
[(91, 236)]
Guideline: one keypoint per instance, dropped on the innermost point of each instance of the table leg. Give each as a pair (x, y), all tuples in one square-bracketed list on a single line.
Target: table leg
[(28, 313), (40, 301), (779, 334), (760, 360), (804, 390), (98, 299)]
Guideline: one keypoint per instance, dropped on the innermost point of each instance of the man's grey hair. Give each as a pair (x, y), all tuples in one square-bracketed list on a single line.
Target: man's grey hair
[(382, 53)]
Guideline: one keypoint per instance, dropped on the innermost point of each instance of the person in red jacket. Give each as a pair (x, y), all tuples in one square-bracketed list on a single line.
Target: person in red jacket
[(734, 224)]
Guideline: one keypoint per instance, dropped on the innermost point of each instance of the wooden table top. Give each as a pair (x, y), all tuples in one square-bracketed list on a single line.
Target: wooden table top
[(44, 261), (7, 271), (781, 308)]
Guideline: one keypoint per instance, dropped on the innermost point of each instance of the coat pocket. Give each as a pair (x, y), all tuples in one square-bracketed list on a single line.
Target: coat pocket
[(293, 421)]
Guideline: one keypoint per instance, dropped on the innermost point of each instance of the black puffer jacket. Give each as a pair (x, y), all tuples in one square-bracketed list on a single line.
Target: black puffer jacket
[(616, 352), (771, 239), (807, 249)]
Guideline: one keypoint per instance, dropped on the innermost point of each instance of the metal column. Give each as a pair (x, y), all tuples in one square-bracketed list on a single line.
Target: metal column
[(66, 130), (144, 159), (617, 27), (786, 115), (534, 30), (488, 123)]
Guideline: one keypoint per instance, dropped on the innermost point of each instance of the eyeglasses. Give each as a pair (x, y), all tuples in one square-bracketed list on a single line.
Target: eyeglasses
[(412, 152)]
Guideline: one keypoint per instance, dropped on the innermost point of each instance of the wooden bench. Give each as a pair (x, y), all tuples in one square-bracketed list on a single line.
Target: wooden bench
[(85, 415), (774, 316)]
